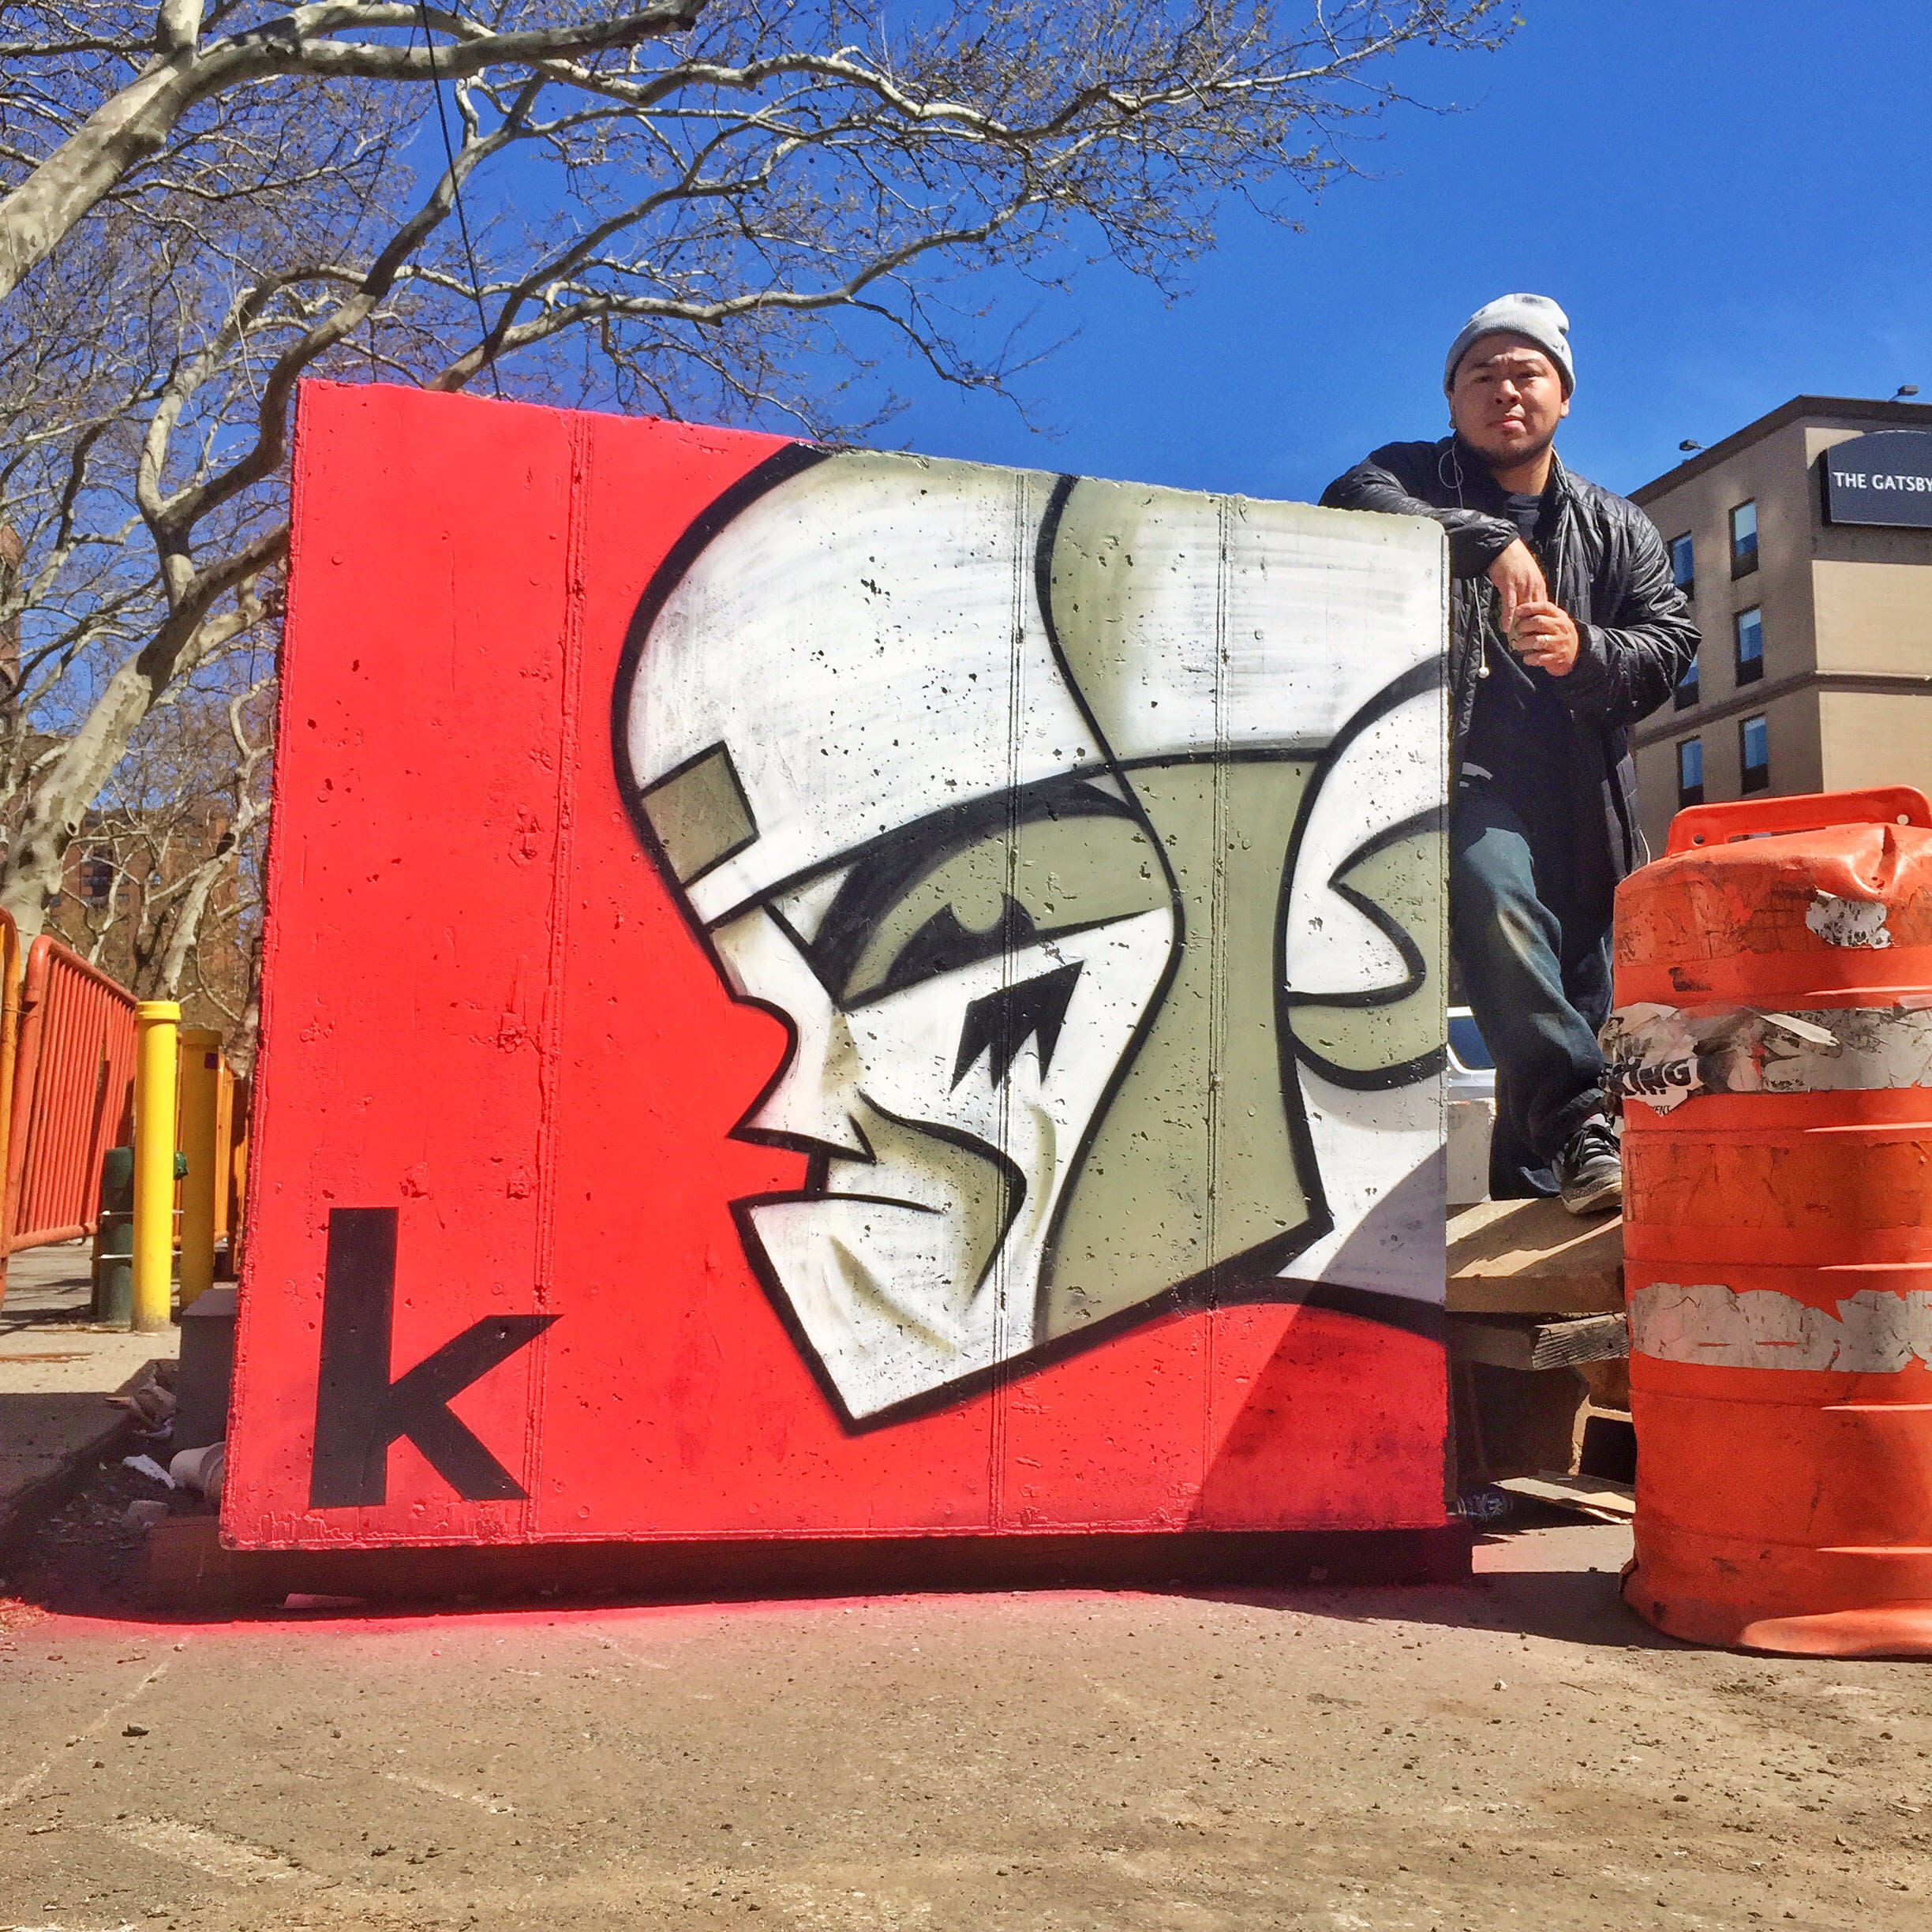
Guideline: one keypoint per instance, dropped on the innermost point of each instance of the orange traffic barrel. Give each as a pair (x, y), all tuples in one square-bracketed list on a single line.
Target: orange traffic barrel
[(1773, 1044)]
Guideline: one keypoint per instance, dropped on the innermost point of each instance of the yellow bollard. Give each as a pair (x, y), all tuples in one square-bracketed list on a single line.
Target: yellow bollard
[(200, 1084), (156, 1024), (224, 1141)]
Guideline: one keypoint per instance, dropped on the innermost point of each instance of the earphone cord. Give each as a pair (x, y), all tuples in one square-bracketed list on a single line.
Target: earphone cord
[(1449, 469)]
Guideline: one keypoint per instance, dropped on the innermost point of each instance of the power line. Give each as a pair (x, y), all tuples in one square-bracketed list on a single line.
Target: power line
[(462, 219)]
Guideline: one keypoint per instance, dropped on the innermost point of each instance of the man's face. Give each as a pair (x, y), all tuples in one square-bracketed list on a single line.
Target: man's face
[(960, 998), (1507, 400)]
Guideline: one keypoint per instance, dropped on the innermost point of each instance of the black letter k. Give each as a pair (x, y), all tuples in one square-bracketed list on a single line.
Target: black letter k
[(360, 1412)]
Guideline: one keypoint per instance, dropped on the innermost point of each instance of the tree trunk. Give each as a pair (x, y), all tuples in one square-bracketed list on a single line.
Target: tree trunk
[(242, 1041), (58, 801), (185, 926), (118, 136)]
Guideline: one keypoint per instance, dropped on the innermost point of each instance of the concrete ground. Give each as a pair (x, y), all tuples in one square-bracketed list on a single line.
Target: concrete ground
[(57, 1370), (1517, 1752)]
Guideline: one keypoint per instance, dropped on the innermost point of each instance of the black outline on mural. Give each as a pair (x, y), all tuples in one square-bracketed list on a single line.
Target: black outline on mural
[(792, 459), (1425, 677), (1201, 1290), (676, 772), (1250, 1277), (1403, 1073), (917, 850)]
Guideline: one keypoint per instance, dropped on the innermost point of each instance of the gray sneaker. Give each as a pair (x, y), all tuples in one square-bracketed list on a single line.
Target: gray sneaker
[(1589, 1171)]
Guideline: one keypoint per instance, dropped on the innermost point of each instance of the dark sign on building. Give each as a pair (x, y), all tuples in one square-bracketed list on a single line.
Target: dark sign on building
[(1885, 478)]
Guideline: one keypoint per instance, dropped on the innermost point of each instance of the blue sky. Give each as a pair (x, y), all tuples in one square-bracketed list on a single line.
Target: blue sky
[(1732, 198)]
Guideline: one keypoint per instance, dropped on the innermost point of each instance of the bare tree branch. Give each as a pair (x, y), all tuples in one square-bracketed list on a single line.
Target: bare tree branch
[(324, 42), (739, 209)]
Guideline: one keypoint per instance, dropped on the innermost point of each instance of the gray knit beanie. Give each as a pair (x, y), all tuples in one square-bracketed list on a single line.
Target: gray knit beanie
[(1535, 317)]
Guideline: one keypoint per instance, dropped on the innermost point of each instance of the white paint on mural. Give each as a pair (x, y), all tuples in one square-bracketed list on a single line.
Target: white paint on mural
[(866, 639), (1255, 626), (917, 1263), (1382, 1161), (992, 787), (1388, 775)]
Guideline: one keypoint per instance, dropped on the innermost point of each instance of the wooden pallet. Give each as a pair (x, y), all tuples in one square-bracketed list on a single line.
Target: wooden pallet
[(1536, 1336), (1534, 1257), (1528, 1341)]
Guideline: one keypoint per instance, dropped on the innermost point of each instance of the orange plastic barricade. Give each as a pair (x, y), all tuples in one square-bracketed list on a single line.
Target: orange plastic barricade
[(72, 1089), (1773, 1042)]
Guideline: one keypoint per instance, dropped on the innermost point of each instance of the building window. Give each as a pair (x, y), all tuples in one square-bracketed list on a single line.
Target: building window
[(96, 879), (1744, 540), (1689, 772), (1686, 692), (1754, 755), (1749, 624), (1684, 566)]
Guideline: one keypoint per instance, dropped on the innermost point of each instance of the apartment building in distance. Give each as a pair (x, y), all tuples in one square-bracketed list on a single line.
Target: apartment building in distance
[(1805, 542)]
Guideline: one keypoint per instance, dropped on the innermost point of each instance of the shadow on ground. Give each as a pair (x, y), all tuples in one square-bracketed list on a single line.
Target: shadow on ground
[(87, 1560), (1549, 1574)]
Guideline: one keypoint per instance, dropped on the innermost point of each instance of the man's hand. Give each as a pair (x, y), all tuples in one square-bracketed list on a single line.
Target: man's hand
[(1545, 635), (1519, 579)]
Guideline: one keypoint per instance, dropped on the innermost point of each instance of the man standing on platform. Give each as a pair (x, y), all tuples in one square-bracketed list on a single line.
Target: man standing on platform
[(1566, 629)]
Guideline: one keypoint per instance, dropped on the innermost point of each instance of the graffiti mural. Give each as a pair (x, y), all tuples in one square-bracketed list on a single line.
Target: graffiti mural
[(1100, 900), (819, 995)]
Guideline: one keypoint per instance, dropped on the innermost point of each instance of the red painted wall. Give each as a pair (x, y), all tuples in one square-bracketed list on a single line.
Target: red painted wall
[(483, 1011)]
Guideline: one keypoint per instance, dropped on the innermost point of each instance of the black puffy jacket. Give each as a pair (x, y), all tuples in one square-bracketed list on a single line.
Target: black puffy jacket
[(1606, 566)]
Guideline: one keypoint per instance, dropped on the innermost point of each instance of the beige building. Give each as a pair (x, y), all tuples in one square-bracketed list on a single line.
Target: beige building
[(1816, 670)]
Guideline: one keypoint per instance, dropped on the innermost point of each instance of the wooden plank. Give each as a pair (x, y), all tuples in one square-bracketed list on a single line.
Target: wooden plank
[(1589, 1495), (1533, 1257), (1490, 1294), (1575, 1339), (1526, 1343)]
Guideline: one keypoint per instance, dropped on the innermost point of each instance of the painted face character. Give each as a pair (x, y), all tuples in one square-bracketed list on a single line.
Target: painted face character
[(992, 787)]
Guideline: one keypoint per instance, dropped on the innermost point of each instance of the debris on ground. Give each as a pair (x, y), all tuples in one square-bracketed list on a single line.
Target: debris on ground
[(201, 1470)]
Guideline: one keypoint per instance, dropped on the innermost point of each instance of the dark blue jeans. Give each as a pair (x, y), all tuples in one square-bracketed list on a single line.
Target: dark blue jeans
[(1537, 971)]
